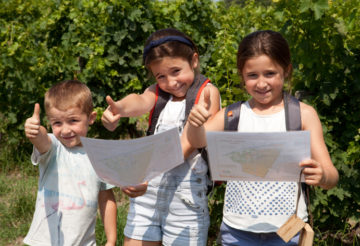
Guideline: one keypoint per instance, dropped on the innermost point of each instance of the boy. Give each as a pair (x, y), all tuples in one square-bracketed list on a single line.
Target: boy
[(69, 189)]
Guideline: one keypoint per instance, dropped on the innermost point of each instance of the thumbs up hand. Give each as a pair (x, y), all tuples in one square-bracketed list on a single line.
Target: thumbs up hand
[(199, 114), (207, 102), (111, 115), (32, 124)]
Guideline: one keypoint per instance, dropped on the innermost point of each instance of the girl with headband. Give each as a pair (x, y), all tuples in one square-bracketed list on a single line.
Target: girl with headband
[(173, 211)]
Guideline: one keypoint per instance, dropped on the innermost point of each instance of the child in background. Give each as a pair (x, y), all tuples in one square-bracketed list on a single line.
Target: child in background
[(174, 210), (69, 190), (264, 65)]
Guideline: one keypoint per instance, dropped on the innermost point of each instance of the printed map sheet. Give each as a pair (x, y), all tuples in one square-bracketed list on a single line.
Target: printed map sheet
[(263, 156), (130, 162)]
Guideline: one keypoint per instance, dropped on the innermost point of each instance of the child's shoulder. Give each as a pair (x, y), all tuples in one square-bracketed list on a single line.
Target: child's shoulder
[(307, 109), (309, 115)]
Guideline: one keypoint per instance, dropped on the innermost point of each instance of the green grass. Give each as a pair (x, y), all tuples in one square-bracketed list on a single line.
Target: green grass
[(17, 204)]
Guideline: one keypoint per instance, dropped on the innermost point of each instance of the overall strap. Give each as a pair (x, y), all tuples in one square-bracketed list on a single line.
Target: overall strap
[(232, 116)]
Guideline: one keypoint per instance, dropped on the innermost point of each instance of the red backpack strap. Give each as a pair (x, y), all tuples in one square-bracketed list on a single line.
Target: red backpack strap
[(194, 92), (200, 90)]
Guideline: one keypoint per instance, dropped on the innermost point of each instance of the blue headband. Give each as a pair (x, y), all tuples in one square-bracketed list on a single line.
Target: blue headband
[(160, 41)]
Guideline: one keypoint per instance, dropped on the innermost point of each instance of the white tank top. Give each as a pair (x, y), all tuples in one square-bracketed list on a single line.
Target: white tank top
[(173, 115), (261, 206)]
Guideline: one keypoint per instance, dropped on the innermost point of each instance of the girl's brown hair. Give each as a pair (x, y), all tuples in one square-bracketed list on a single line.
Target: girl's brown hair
[(67, 94), (268, 43)]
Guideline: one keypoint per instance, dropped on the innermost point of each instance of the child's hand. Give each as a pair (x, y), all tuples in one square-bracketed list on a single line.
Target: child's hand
[(199, 114), (313, 172), (134, 191), (32, 124), (111, 115)]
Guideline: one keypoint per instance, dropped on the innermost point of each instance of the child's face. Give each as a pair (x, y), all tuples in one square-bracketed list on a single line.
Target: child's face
[(174, 75), (69, 125), (264, 80)]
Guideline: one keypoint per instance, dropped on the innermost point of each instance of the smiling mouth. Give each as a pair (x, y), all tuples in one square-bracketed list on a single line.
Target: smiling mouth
[(263, 92), (179, 88), (67, 138)]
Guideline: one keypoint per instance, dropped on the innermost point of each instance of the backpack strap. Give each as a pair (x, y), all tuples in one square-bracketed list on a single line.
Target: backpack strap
[(162, 97), (293, 123), (292, 113), (194, 92), (232, 116), (231, 122)]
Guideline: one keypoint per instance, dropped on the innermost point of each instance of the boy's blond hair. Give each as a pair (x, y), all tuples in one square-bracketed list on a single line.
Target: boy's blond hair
[(68, 94)]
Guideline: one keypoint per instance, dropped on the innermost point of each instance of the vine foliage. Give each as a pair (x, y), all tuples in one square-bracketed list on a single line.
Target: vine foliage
[(101, 43)]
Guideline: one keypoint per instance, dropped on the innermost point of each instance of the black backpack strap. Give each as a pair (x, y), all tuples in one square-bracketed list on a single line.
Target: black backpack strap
[(161, 99), (292, 113), (232, 116)]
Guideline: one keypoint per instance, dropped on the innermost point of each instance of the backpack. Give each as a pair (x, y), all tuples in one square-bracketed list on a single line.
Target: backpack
[(162, 97), (292, 114)]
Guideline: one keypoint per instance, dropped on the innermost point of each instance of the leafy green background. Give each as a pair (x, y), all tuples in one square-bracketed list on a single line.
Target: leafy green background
[(101, 43)]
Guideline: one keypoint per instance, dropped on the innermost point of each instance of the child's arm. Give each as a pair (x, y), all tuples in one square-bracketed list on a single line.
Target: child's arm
[(319, 170), (107, 207), (204, 116), (36, 133), (130, 106)]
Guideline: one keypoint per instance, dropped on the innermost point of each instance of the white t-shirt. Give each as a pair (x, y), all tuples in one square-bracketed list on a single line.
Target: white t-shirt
[(261, 206), (67, 198)]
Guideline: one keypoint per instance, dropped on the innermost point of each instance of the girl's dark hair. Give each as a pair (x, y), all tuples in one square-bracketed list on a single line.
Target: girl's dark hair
[(170, 48), (268, 43)]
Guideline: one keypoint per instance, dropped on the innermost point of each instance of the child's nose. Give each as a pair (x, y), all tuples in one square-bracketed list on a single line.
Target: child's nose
[(172, 82), (65, 130), (261, 83)]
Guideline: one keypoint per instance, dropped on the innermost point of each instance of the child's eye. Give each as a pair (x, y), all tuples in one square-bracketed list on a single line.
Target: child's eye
[(270, 74), (56, 123), (176, 71), (252, 76), (160, 77)]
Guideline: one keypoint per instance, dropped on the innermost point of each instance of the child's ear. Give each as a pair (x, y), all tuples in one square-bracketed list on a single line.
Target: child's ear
[(287, 72), (92, 117), (195, 61)]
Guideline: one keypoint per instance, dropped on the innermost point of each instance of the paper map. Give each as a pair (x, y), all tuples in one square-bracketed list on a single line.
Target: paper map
[(130, 162), (266, 156)]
